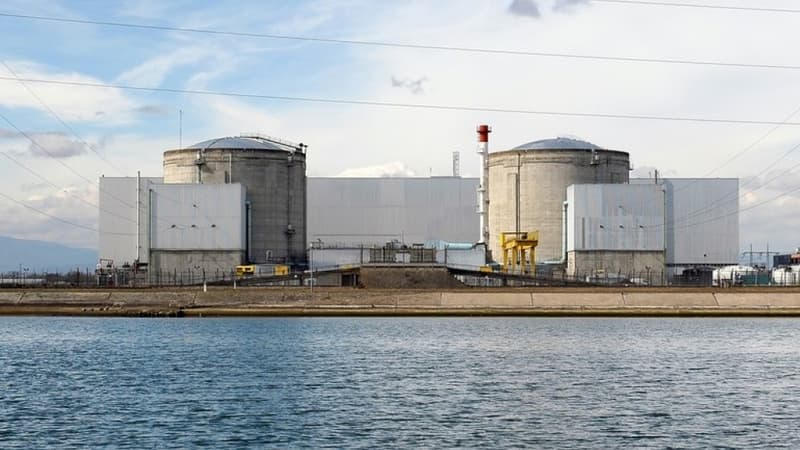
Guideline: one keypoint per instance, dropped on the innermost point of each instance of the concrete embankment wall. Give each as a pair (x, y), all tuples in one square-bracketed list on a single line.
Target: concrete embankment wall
[(300, 301)]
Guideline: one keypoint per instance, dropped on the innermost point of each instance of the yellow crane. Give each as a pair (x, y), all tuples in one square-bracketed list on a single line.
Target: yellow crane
[(519, 251)]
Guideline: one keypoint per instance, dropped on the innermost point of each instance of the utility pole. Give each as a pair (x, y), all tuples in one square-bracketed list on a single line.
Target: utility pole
[(767, 253)]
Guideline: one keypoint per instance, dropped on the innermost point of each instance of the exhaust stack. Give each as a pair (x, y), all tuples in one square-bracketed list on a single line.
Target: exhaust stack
[(483, 188)]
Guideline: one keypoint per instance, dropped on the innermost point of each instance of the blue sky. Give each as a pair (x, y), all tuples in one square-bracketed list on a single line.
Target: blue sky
[(132, 128)]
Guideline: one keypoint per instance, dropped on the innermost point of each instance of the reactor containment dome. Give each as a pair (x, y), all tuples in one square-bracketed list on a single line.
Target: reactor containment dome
[(273, 173), (528, 187)]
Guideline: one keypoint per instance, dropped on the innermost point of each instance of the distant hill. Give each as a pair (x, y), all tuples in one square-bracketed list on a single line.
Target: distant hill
[(42, 255)]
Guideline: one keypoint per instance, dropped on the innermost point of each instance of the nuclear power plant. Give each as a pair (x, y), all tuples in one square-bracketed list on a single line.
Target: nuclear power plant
[(559, 207)]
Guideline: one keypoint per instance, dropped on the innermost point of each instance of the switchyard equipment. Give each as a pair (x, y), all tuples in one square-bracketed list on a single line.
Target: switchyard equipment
[(273, 173)]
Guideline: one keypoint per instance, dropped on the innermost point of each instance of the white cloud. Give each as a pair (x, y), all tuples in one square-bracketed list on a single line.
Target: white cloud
[(24, 223), (388, 170), (72, 103), (152, 72), (527, 8)]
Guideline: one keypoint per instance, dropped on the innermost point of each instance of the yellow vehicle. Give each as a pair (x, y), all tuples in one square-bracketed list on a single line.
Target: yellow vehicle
[(261, 270)]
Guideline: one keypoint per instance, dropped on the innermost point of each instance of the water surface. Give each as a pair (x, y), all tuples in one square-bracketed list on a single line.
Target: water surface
[(399, 382)]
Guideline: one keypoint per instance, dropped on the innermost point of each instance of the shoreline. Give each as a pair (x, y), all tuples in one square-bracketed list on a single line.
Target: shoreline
[(300, 302)]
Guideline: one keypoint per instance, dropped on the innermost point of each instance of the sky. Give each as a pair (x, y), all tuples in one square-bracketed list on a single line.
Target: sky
[(56, 140)]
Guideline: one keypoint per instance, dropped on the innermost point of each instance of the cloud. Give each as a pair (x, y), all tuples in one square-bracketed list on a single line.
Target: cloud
[(19, 222), (568, 5), (388, 170), (650, 172), (153, 110), (415, 86), (106, 106), (153, 72), (53, 144), (527, 8)]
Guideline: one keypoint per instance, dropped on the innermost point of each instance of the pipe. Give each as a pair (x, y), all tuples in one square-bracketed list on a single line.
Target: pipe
[(138, 215), (483, 188), (150, 232), (564, 213), (248, 231)]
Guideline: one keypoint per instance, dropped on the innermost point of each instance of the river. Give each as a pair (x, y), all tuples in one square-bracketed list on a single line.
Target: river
[(399, 382)]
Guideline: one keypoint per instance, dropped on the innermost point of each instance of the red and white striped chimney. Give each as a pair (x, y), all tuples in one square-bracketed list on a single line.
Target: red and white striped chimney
[(483, 187)]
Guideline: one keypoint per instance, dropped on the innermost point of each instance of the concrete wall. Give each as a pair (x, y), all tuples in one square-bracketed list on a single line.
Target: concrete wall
[(337, 257), (373, 211), (639, 264), (543, 179), (361, 301), (407, 277), (191, 265)]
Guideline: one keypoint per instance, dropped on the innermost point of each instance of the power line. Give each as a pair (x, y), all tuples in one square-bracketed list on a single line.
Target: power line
[(406, 105), (477, 50), (739, 211), (746, 150), (716, 204), (62, 163), (63, 189), (701, 6), (755, 143), (48, 214), (54, 217), (59, 119)]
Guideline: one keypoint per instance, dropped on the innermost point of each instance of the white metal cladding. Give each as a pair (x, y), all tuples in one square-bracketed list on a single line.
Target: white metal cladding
[(369, 211), (198, 217), (615, 217), (702, 220), (117, 223)]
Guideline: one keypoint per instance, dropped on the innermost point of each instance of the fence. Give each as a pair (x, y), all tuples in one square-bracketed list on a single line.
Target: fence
[(471, 275)]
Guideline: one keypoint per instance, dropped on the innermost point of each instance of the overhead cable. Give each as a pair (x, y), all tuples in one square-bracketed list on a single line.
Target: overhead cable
[(702, 6), (60, 120), (408, 105), (386, 44)]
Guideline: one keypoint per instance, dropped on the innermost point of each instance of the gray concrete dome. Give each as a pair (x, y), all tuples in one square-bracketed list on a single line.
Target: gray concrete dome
[(243, 143), (559, 143)]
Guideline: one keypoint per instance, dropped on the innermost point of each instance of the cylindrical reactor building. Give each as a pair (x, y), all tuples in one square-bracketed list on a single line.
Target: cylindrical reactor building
[(528, 188), (273, 173)]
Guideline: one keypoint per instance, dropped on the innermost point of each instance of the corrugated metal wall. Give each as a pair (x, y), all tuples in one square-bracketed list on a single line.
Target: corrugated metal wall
[(703, 221), (118, 215), (615, 217), (373, 211)]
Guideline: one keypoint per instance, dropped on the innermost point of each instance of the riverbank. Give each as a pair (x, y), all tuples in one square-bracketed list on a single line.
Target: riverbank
[(295, 301)]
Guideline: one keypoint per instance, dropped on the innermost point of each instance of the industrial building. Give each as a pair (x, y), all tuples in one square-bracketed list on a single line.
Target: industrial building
[(592, 220), (352, 212), (562, 204), (273, 175), (528, 187), (220, 203)]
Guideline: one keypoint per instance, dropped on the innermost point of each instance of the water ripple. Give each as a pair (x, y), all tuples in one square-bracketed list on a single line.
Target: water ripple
[(417, 382)]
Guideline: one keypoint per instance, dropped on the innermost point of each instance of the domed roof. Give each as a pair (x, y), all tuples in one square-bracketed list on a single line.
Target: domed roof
[(245, 143), (559, 143)]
